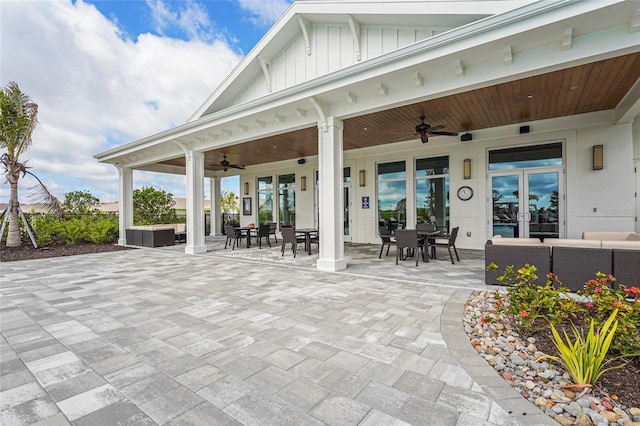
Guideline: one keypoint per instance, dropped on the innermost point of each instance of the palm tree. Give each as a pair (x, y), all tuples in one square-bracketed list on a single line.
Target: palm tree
[(18, 119)]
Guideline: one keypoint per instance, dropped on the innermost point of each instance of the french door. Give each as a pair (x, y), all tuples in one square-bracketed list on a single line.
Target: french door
[(527, 203)]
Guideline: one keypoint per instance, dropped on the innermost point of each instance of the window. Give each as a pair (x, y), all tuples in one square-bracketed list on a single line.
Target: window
[(526, 156), (265, 199), (432, 191), (287, 199), (392, 195)]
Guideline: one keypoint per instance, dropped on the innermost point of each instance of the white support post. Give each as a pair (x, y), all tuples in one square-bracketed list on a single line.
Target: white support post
[(125, 206), (216, 212), (195, 202), (330, 163)]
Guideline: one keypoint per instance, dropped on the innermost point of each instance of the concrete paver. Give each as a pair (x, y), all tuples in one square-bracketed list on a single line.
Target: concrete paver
[(155, 336)]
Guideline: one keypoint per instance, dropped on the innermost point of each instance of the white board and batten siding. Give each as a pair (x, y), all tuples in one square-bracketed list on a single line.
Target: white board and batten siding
[(332, 49)]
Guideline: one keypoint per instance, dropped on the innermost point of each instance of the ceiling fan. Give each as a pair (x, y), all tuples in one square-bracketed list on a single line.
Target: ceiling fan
[(424, 130), (226, 165)]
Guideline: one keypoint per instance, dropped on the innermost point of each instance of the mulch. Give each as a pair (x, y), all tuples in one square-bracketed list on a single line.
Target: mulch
[(26, 251)]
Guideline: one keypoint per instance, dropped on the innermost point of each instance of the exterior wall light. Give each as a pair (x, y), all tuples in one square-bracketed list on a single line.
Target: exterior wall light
[(362, 178), (466, 168), (598, 157), (303, 183), (246, 188)]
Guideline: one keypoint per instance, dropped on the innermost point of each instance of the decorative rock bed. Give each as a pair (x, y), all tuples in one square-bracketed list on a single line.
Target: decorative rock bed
[(514, 359)]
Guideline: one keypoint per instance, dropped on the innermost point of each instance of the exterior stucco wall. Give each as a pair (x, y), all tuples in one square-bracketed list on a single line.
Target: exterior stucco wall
[(609, 191)]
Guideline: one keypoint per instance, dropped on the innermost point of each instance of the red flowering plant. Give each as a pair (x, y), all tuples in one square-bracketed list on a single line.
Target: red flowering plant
[(529, 306), (602, 299)]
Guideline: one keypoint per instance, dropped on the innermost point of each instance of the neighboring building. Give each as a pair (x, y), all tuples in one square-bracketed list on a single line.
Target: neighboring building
[(323, 115)]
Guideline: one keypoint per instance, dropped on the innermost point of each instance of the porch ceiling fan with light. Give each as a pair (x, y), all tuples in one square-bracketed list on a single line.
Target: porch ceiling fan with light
[(226, 165), (425, 129)]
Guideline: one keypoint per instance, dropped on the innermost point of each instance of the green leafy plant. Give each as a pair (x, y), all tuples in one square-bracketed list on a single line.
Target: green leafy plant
[(584, 357), (103, 230), (531, 306), (602, 299)]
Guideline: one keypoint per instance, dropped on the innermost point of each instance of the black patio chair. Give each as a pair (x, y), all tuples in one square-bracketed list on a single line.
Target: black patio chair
[(273, 227), (387, 240), (233, 236), (449, 244), (264, 230), (289, 236), (408, 239)]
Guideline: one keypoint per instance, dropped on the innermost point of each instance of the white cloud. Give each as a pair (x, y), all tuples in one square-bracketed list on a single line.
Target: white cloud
[(97, 88), (263, 13)]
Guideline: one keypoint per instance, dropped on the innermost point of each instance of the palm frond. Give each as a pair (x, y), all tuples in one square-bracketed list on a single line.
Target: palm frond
[(40, 194)]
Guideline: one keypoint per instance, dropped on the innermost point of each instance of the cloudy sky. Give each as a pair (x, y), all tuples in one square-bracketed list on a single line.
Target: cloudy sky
[(108, 72)]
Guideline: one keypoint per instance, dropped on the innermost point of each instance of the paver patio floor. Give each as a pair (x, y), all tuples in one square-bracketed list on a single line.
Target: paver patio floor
[(160, 337)]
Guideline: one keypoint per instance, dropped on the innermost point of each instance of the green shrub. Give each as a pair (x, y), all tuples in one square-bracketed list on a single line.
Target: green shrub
[(76, 230), (532, 306), (103, 230)]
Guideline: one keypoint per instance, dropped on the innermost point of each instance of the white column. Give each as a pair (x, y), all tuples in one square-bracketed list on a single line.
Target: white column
[(125, 205), (331, 257), (195, 202), (216, 212)]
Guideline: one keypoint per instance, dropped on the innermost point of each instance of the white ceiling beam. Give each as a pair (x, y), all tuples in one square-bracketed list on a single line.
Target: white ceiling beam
[(301, 112), (260, 123), (634, 24)]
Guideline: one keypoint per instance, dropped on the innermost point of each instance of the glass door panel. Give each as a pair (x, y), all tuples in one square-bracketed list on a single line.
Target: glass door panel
[(505, 207), (347, 231), (526, 204), (543, 191)]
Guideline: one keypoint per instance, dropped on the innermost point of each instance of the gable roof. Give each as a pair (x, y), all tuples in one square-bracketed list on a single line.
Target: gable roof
[(431, 17)]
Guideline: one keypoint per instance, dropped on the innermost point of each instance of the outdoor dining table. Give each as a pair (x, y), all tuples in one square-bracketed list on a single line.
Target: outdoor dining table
[(430, 235), (246, 231), (307, 237)]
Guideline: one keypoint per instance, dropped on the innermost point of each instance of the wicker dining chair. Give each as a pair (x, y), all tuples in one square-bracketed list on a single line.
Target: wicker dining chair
[(233, 237), (387, 240), (264, 230), (449, 244), (408, 239), (289, 236)]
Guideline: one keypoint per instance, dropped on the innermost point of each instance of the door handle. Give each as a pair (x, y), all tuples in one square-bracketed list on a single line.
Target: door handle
[(519, 216)]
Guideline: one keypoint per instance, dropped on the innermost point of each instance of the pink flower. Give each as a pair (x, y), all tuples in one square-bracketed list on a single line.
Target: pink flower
[(524, 314), (618, 303), (497, 304), (589, 305), (633, 291), (597, 290), (591, 283)]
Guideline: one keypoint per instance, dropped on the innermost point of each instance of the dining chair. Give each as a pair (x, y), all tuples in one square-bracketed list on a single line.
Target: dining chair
[(232, 236), (408, 238), (449, 244), (289, 236), (264, 230), (387, 240), (273, 227)]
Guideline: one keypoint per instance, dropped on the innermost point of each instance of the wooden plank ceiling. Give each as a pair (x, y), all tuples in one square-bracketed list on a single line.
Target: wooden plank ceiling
[(587, 88)]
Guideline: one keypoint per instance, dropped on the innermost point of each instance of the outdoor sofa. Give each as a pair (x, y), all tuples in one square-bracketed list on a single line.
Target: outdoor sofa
[(574, 261), (156, 235)]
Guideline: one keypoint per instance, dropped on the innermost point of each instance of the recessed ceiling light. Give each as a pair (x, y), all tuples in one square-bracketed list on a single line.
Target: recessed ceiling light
[(573, 87), (530, 97), (365, 129)]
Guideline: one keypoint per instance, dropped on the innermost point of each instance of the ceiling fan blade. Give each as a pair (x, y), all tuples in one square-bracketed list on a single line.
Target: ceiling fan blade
[(233, 166), (424, 137), (434, 128), (445, 133)]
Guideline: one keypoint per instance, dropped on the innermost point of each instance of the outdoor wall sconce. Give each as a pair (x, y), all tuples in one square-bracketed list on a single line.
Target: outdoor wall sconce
[(362, 178), (303, 183), (598, 157), (246, 188), (466, 168)]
